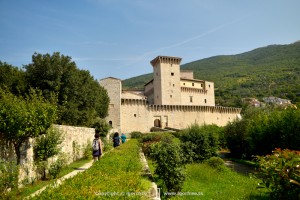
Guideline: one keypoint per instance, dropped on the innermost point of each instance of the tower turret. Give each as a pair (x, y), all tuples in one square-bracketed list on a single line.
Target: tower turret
[(166, 80)]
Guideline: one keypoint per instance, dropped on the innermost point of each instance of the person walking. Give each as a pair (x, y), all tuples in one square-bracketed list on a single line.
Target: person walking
[(116, 139), (97, 147), (123, 138)]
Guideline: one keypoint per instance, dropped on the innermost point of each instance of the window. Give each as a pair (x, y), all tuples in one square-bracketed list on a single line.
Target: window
[(201, 84), (193, 84), (134, 115), (191, 99), (173, 85), (205, 101), (208, 85), (183, 83), (172, 73), (110, 123), (171, 96)]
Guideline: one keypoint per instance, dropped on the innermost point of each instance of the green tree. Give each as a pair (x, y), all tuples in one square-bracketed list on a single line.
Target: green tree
[(12, 78), (202, 140), (80, 97), (22, 118), (169, 161)]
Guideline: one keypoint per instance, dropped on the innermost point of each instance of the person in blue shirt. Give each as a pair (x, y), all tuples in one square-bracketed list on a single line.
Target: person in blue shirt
[(116, 139), (123, 138)]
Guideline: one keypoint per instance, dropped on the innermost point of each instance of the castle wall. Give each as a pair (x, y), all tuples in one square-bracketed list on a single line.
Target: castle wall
[(137, 116)]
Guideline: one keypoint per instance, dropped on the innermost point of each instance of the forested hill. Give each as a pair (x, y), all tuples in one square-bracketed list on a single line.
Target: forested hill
[(268, 71)]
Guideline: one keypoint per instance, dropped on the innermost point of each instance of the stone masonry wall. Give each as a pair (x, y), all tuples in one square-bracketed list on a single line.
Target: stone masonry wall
[(75, 141)]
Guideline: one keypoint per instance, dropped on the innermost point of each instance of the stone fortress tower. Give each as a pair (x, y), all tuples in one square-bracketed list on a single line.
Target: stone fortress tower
[(172, 99)]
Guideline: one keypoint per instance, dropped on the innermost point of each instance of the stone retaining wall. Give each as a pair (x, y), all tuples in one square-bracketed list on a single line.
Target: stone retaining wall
[(75, 141)]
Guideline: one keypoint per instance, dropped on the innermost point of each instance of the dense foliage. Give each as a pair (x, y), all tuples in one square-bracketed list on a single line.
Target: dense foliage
[(262, 130), (12, 78), (24, 118), (80, 97), (9, 172), (200, 142), (281, 173), (169, 163), (269, 71)]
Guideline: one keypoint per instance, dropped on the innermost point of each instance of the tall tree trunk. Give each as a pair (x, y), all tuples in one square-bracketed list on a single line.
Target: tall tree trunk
[(18, 152)]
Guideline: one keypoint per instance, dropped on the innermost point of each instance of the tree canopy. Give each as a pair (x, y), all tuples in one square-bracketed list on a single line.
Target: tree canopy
[(80, 97), (25, 117)]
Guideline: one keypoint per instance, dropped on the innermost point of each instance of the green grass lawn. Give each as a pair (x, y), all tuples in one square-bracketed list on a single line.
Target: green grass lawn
[(29, 189), (204, 182), (115, 176)]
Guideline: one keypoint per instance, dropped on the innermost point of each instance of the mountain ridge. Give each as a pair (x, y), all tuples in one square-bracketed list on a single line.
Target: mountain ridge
[(273, 70)]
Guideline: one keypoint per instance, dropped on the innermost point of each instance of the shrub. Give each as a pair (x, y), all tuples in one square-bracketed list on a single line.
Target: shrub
[(87, 152), (262, 130), (8, 176), (216, 163), (281, 173), (56, 167), (202, 139), (169, 163), (237, 138), (136, 134), (45, 147)]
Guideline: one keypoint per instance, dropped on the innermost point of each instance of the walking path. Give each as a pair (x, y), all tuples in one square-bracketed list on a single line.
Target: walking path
[(237, 167), (67, 176)]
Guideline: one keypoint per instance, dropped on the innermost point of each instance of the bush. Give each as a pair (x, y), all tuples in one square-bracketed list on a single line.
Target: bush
[(237, 139), (216, 163), (203, 140), (56, 167), (9, 172), (136, 135), (87, 152), (281, 173), (169, 163), (262, 130), (46, 145)]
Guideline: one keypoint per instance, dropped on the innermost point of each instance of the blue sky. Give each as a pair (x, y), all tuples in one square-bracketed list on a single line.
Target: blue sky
[(119, 38)]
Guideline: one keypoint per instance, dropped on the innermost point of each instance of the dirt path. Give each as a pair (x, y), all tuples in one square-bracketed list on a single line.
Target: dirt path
[(238, 167)]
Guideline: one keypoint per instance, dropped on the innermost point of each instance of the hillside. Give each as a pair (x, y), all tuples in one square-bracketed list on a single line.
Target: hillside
[(268, 71)]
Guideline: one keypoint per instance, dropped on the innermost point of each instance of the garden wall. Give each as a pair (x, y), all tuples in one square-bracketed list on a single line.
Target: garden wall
[(75, 141)]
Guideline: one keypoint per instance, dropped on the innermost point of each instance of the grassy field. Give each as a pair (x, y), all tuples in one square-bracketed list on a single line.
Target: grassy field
[(204, 182), (116, 176)]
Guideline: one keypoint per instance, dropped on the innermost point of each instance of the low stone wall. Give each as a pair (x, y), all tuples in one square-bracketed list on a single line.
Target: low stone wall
[(75, 141)]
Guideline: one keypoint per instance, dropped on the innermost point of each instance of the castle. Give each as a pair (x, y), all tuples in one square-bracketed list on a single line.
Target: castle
[(173, 99)]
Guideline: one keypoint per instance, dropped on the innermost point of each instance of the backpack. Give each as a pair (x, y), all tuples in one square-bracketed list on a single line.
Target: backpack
[(95, 145)]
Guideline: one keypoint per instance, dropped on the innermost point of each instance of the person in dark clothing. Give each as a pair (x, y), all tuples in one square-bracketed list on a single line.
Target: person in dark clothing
[(97, 147), (116, 139)]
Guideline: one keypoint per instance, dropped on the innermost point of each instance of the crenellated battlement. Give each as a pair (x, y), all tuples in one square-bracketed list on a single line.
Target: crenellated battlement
[(184, 108)]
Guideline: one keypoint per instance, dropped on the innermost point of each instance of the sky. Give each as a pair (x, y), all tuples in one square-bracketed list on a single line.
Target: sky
[(119, 38)]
